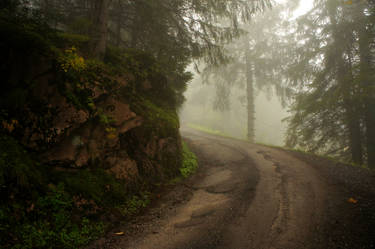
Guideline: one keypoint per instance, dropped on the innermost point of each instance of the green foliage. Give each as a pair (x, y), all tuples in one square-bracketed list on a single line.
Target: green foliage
[(46, 222), (76, 40), (35, 214), (136, 62), (329, 112), (27, 35), (17, 169), (95, 184), (166, 87), (53, 227), (48, 208), (135, 204), (189, 161), (164, 120)]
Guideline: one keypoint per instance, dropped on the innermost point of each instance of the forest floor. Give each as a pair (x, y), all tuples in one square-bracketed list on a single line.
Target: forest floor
[(251, 196)]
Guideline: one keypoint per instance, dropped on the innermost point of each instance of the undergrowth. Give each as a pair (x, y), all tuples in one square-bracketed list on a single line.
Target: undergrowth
[(135, 204), (44, 206), (189, 161), (34, 213)]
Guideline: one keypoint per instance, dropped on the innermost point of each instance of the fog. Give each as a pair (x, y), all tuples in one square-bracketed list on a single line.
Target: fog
[(198, 112)]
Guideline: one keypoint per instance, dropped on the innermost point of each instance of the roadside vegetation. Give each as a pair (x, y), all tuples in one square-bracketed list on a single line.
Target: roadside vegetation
[(206, 129), (189, 161)]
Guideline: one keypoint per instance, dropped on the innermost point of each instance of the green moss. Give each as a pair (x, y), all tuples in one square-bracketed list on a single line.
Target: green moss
[(94, 184), (164, 120)]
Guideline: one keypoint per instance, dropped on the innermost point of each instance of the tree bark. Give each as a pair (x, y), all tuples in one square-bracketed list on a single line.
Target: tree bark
[(250, 97), (353, 112), (118, 23), (367, 84), (355, 137), (99, 28), (136, 25)]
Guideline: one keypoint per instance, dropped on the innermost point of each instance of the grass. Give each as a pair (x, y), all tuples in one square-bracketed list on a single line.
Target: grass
[(189, 161), (222, 134), (207, 130), (135, 204), (214, 132)]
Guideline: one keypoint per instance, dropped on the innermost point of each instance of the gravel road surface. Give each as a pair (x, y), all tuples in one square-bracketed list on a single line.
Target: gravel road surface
[(252, 196)]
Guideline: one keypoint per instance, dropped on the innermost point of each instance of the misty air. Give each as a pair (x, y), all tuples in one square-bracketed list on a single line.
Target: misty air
[(187, 124)]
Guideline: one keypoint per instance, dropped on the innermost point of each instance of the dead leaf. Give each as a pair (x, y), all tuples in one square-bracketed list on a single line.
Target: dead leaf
[(31, 208), (352, 200), (119, 233)]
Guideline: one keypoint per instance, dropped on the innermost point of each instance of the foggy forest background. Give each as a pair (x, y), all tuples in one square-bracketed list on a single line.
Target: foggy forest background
[(94, 93), (298, 81), (248, 64)]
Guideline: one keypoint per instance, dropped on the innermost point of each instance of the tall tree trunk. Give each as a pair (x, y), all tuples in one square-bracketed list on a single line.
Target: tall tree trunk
[(99, 28), (250, 97), (353, 115), (136, 25), (355, 136), (118, 23), (368, 84)]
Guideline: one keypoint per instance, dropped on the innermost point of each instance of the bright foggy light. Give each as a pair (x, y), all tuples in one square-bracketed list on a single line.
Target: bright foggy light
[(303, 7)]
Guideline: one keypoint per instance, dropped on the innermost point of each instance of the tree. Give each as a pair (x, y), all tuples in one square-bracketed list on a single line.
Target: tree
[(255, 62), (366, 76), (330, 113), (99, 28), (175, 32)]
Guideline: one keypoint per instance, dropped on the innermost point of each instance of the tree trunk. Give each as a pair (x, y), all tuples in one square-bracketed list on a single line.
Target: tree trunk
[(118, 24), (353, 111), (99, 28), (367, 84), (250, 97), (135, 25), (355, 137)]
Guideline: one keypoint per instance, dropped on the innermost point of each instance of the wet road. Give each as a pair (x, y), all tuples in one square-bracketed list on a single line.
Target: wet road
[(243, 196)]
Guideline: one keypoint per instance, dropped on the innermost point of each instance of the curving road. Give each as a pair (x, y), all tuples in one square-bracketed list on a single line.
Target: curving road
[(243, 196)]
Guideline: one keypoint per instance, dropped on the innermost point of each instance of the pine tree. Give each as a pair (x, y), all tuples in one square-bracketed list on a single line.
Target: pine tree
[(255, 63), (331, 114)]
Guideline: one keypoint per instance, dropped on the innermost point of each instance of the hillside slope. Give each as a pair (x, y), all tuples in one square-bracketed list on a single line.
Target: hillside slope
[(82, 141)]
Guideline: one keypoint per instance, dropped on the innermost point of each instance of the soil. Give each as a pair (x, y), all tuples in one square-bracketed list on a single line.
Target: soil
[(251, 196)]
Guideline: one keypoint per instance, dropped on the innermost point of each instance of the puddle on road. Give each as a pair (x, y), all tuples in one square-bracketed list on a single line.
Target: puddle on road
[(215, 177), (202, 204), (222, 154)]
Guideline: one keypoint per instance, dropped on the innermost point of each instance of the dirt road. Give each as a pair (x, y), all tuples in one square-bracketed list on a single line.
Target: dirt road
[(243, 196)]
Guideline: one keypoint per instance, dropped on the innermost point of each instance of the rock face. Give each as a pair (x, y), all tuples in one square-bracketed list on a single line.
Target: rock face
[(125, 142), (84, 115)]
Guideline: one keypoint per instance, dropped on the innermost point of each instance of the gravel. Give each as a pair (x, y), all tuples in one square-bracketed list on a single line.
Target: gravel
[(348, 224)]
